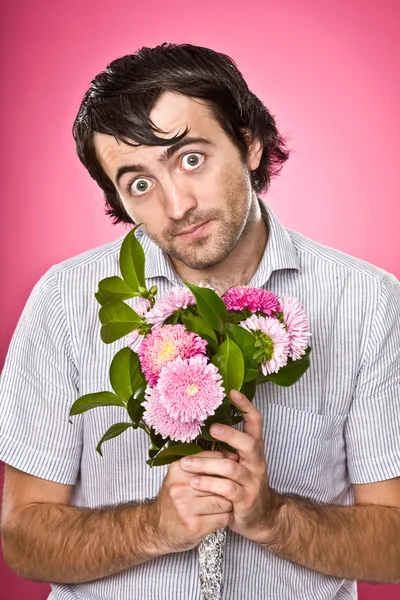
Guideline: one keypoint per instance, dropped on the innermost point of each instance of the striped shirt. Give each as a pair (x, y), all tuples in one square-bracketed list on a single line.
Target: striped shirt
[(338, 425)]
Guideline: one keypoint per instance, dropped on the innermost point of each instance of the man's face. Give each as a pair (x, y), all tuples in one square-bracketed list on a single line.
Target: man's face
[(202, 182)]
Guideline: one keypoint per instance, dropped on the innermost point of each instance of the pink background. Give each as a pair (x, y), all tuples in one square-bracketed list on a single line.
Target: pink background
[(327, 70)]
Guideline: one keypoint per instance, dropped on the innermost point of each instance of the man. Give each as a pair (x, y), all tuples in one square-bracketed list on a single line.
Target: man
[(178, 143)]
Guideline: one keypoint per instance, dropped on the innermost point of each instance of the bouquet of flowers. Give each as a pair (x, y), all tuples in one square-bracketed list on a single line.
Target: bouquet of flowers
[(185, 352)]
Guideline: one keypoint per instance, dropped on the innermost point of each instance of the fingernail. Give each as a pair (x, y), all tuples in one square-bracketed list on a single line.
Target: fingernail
[(217, 430), (186, 462)]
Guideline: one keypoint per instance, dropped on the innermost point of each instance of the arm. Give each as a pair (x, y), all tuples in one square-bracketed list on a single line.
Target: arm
[(46, 539), (358, 542), (353, 542)]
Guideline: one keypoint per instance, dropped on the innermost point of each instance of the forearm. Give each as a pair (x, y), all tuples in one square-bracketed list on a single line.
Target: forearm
[(352, 542), (65, 544)]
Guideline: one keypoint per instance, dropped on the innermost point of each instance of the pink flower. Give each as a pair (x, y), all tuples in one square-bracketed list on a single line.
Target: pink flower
[(255, 299), (190, 389), (273, 339), (296, 322), (134, 338), (177, 297), (163, 345), (142, 307), (156, 416)]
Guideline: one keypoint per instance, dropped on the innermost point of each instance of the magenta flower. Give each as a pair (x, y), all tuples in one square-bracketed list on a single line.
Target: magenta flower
[(156, 416), (273, 342), (177, 297), (296, 322), (190, 389), (165, 344), (134, 338), (239, 297)]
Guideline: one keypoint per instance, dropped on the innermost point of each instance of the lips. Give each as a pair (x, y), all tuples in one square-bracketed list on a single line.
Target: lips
[(193, 228)]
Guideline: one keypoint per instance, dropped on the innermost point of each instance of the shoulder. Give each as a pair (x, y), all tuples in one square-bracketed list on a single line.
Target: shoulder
[(101, 261), (331, 264), (77, 277), (94, 259)]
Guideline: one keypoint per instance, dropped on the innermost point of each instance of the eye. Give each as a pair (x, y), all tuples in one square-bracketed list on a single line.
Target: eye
[(192, 161), (140, 186)]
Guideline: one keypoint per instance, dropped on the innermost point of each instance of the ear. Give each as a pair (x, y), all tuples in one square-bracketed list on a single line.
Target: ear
[(255, 149)]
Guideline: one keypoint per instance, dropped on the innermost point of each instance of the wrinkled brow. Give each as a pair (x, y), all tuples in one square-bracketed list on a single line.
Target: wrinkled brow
[(170, 151)]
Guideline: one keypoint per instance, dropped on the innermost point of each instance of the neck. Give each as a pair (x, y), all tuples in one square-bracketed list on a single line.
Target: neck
[(241, 264)]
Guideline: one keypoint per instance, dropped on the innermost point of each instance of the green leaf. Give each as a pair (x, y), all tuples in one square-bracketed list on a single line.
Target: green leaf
[(112, 289), (249, 389), (112, 432), (173, 443), (135, 408), (230, 362), (89, 401), (210, 306), (243, 338), (156, 439), (199, 326), (117, 319), (250, 375), (101, 299), (222, 414), (119, 312), (125, 374), (153, 452), (246, 342), (239, 315), (289, 374), (138, 384), (172, 453), (132, 260)]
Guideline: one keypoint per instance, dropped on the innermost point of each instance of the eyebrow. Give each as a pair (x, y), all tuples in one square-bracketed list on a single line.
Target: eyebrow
[(170, 151)]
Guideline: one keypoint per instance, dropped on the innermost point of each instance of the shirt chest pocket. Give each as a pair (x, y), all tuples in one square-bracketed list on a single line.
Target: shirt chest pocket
[(305, 453)]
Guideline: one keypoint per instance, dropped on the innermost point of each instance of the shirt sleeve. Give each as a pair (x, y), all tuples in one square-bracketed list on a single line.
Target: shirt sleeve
[(39, 384), (372, 432)]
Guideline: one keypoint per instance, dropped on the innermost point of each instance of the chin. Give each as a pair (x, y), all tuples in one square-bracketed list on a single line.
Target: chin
[(201, 263)]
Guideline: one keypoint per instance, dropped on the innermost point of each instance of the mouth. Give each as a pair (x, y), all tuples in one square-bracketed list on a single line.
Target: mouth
[(195, 231), (192, 229)]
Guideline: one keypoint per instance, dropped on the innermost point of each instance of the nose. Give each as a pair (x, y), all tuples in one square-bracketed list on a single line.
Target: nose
[(178, 199)]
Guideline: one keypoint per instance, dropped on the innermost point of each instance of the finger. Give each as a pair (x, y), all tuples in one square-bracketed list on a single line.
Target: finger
[(204, 454), (252, 419), (247, 446), (232, 455), (226, 468), (213, 505), (210, 454), (220, 487)]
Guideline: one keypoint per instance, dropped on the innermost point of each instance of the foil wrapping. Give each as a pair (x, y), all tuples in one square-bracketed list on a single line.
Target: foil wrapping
[(211, 557)]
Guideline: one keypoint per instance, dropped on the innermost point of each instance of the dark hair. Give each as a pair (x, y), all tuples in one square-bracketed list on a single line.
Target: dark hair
[(120, 99)]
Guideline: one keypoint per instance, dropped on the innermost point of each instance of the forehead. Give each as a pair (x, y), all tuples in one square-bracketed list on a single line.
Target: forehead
[(172, 113)]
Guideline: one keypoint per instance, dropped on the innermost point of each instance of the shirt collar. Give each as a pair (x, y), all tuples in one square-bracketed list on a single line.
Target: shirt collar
[(279, 254)]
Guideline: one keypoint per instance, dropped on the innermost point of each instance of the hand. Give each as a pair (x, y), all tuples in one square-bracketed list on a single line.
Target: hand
[(186, 515), (244, 481)]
